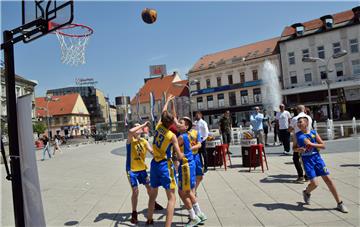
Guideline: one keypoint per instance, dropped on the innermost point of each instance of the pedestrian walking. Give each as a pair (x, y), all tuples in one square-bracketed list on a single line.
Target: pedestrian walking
[(310, 143), (203, 130), (225, 128), (283, 118), (57, 143), (256, 121), (46, 148)]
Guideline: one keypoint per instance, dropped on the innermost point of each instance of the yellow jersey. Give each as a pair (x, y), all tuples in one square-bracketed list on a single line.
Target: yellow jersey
[(136, 153), (194, 137), (162, 143)]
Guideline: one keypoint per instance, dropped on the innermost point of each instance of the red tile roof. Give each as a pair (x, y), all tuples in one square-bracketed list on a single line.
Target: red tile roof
[(249, 51), (63, 106), (317, 23), (160, 85)]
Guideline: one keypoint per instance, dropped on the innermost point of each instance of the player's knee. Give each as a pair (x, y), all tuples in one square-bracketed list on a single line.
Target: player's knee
[(315, 183), (135, 191)]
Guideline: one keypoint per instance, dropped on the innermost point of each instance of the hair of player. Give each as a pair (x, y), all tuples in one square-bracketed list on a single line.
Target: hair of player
[(167, 119)]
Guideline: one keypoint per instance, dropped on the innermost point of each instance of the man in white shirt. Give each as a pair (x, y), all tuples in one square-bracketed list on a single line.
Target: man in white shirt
[(283, 118), (203, 130), (296, 155)]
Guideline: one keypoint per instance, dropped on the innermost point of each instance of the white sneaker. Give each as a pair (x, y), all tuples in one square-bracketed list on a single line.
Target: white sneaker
[(202, 216), (341, 207), (193, 222)]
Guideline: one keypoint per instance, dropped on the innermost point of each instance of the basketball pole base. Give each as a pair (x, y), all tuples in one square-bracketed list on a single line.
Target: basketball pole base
[(11, 108)]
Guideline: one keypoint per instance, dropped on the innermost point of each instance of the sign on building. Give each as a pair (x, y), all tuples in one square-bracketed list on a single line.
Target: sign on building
[(85, 81), (157, 70)]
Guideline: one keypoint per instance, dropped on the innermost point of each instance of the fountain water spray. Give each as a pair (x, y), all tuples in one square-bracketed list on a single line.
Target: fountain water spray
[(271, 87)]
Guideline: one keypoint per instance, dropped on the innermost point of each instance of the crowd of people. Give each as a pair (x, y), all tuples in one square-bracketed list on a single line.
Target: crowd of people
[(180, 157), (46, 145)]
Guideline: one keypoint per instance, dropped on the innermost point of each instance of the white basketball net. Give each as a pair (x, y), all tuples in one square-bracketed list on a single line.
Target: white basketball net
[(72, 49)]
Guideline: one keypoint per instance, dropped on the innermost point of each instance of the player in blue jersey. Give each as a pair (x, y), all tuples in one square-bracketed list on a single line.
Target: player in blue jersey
[(310, 143), (187, 176)]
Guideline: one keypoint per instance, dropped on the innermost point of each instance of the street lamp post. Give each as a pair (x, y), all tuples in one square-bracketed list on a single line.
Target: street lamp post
[(49, 99), (328, 81)]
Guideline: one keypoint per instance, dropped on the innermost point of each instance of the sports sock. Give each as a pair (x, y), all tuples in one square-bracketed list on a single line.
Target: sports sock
[(196, 207), (192, 213)]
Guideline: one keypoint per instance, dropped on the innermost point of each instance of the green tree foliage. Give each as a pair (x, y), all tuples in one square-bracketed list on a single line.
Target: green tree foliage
[(39, 128)]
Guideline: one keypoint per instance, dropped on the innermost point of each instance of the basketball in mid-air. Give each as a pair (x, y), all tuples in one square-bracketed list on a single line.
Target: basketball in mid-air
[(149, 15)]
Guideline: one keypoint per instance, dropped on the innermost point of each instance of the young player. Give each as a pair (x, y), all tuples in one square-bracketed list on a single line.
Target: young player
[(162, 168), (195, 142), (310, 143), (187, 178), (136, 148)]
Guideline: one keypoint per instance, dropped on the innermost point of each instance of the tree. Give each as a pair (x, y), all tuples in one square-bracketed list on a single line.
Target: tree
[(39, 128)]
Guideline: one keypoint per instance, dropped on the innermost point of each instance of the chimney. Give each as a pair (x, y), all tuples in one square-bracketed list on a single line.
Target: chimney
[(299, 29), (356, 11), (327, 21)]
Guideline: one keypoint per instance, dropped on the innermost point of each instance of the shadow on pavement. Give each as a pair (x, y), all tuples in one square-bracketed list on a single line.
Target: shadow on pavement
[(71, 223), (123, 219), (280, 178), (350, 165), (293, 207)]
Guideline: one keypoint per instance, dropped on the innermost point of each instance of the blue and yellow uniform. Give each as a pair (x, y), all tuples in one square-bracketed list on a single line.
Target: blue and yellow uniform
[(195, 138), (162, 167), (187, 180), (135, 162), (314, 165)]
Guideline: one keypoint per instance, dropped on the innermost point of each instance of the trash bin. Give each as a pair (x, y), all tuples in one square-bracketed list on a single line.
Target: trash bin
[(213, 157), (245, 150)]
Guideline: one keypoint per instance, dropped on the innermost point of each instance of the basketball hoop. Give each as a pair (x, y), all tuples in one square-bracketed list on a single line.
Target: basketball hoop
[(73, 39)]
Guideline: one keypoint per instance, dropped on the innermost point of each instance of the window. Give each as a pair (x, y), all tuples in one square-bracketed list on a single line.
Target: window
[(255, 74), (322, 70), (232, 99), (354, 47), (144, 109), (291, 58), (336, 47), (57, 120), (321, 52), (198, 86), (305, 53), (3, 91), (339, 69), (200, 103), (210, 102), (230, 79), (18, 91), (244, 97), (307, 75), (65, 120), (257, 95), (208, 85), (218, 79), (221, 101), (293, 77), (242, 77), (356, 67)]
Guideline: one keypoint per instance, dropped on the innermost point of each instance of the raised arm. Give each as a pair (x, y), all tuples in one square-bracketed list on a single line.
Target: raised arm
[(165, 108), (173, 111), (133, 130), (176, 147)]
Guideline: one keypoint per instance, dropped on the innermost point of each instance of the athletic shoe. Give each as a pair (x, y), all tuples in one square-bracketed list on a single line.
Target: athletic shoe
[(202, 217), (341, 207), (300, 180), (149, 222), (306, 197), (158, 206), (193, 222), (134, 219)]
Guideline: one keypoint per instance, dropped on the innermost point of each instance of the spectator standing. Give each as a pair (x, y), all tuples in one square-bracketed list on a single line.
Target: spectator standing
[(256, 121), (46, 142), (203, 130), (266, 126), (225, 127), (283, 118)]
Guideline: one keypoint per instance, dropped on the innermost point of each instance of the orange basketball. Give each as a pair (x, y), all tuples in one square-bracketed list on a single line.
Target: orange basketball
[(149, 15)]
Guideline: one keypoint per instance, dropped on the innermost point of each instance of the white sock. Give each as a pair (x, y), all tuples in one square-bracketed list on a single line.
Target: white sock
[(196, 207), (192, 213)]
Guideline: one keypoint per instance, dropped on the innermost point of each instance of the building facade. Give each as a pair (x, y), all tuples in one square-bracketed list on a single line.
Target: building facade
[(171, 84), (23, 87), (305, 82), (64, 115), (93, 98), (231, 80)]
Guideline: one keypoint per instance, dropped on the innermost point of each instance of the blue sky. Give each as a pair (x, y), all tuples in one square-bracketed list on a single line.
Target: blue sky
[(122, 46)]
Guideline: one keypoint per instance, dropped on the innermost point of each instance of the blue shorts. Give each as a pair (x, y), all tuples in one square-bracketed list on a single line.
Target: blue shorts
[(187, 178), (314, 166), (199, 170), (162, 174), (138, 176)]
